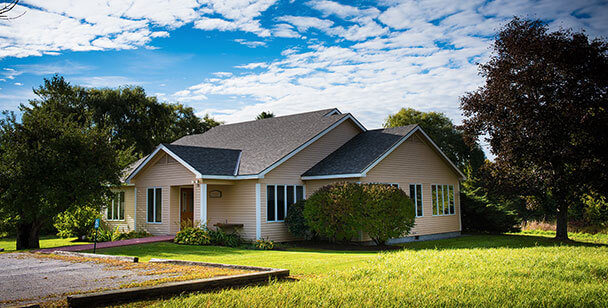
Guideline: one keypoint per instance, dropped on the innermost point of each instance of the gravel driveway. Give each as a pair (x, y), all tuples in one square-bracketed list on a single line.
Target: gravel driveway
[(27, 278)]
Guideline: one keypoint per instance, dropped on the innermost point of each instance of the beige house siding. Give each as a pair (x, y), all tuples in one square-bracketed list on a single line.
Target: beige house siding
[(314, 185), (128, 224), (236, 206), (290, 171), (416, 162), (162, 171)]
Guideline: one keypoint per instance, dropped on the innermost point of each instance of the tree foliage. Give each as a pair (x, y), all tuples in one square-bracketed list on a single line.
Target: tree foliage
[(441, 129), (341, 210), (295, 221), (264, 115), (544, 110), (53, 160)]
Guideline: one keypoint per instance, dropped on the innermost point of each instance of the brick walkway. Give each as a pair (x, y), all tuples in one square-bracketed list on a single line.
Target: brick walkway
[(134, 241)]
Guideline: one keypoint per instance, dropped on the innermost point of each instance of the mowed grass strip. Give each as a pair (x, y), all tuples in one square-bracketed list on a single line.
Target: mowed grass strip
[(476, 271)]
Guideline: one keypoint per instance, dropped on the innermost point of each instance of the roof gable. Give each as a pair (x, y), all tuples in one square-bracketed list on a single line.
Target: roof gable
[(359, 155), (266, 143)]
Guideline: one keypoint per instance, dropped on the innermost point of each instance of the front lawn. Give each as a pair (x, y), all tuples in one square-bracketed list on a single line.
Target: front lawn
[(479, 270), (50, 241)]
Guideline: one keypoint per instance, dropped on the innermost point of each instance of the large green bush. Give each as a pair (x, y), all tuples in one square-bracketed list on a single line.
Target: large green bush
[(222, 238), (295, 221), (78, 222), (387, 212), (341, 210), (193, 236), (479, 213)]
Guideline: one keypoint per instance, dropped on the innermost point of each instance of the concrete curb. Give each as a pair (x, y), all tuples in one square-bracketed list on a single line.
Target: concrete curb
[(175, 288), (98, 256)]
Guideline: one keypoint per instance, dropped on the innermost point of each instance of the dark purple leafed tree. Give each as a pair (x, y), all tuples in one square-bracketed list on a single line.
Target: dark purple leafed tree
[(544, 109)]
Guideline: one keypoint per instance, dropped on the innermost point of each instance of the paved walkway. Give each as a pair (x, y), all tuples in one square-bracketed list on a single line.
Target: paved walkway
[(134, 241)]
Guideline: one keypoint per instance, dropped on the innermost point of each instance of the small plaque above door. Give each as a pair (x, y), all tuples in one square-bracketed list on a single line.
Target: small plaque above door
[(215, 194)]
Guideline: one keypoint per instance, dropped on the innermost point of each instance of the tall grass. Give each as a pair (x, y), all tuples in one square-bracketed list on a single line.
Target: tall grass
[(575, 227)]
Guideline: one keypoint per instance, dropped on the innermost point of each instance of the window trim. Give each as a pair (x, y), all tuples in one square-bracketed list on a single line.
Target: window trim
[(114, 194), (276, 206), (154, 208), (443, 199), (416, 199)]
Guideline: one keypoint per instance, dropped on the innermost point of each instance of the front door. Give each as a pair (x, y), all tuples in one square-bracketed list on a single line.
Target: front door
[(186, 207)]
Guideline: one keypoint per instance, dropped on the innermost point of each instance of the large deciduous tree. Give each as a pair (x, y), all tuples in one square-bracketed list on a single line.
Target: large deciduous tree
[(544, 110), (52, 160), (441, 129)]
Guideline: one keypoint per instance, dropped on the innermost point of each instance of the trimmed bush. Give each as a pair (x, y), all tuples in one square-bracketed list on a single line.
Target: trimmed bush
[(296, 223), (107, 234), (193, 236), (332, 211), (222, 238), (341, 210), (76, 222), (387, 212)]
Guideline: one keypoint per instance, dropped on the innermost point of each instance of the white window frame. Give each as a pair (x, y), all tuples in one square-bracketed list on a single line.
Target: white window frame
[(383, 183), (415, 198), (445, 199), (276, 206), (154, 207), (110, 208)]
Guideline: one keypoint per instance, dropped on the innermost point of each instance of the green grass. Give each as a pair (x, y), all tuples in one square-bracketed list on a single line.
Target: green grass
[(9, 244), (479, 270)]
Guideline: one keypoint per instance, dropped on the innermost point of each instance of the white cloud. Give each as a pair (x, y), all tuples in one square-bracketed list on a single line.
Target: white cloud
[(18, 84), (250, 44), (105, 81), (303, 23), (254, 65), (222, 74)]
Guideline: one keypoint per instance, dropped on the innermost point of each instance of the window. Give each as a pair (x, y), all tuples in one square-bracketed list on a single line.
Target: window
[(116, 208), (443, 199), (155, 204), (389, 184), (279, 198), (416, 196)]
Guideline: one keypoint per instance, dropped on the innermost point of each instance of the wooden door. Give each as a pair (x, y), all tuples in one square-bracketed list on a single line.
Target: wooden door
[(186, 207)]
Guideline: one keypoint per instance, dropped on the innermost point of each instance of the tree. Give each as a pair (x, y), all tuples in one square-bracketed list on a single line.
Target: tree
[(441, 129), (53, 160), (544, 109), (140, 121), (265, 115)]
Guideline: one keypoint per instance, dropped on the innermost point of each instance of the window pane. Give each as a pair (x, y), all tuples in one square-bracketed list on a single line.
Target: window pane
[(159, 205), (270, 203), (290, 195), (419, 199), (121, 204), (280, 202), (115, 207), (444, 199), (452, 207), (109, 210), (150, 204), (434, 197), (299, 193)]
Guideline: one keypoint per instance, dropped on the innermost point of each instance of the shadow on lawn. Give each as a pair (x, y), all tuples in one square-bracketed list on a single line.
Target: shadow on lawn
[(481, 241)]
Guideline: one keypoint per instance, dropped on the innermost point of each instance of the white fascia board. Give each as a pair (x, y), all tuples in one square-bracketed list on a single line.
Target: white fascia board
[(166, 150), (309, 142), (232, 177), (335, 111), (333, 176)]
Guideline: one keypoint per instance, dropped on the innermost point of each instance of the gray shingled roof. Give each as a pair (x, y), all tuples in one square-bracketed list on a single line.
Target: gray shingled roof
[(264, 142), (359, 152), (208, 161)]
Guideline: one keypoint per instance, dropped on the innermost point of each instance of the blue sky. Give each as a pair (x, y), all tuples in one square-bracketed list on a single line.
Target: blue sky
[(234, 59)]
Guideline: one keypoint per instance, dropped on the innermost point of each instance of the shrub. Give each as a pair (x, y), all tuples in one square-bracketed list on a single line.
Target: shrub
[(481, 214), (193, 236), (76, 222), (295, 221), (387, 212), (331, 211), (222, 238), (264, 244), (340, 211)]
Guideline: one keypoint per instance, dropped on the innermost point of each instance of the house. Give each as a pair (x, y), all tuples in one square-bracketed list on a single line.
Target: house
[(245, 175)]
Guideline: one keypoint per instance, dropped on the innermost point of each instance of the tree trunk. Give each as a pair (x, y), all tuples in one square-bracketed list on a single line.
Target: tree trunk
[(27, 235), (562, 220)]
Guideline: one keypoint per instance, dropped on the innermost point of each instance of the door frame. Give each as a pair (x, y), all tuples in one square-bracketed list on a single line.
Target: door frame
[(179, 204)]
